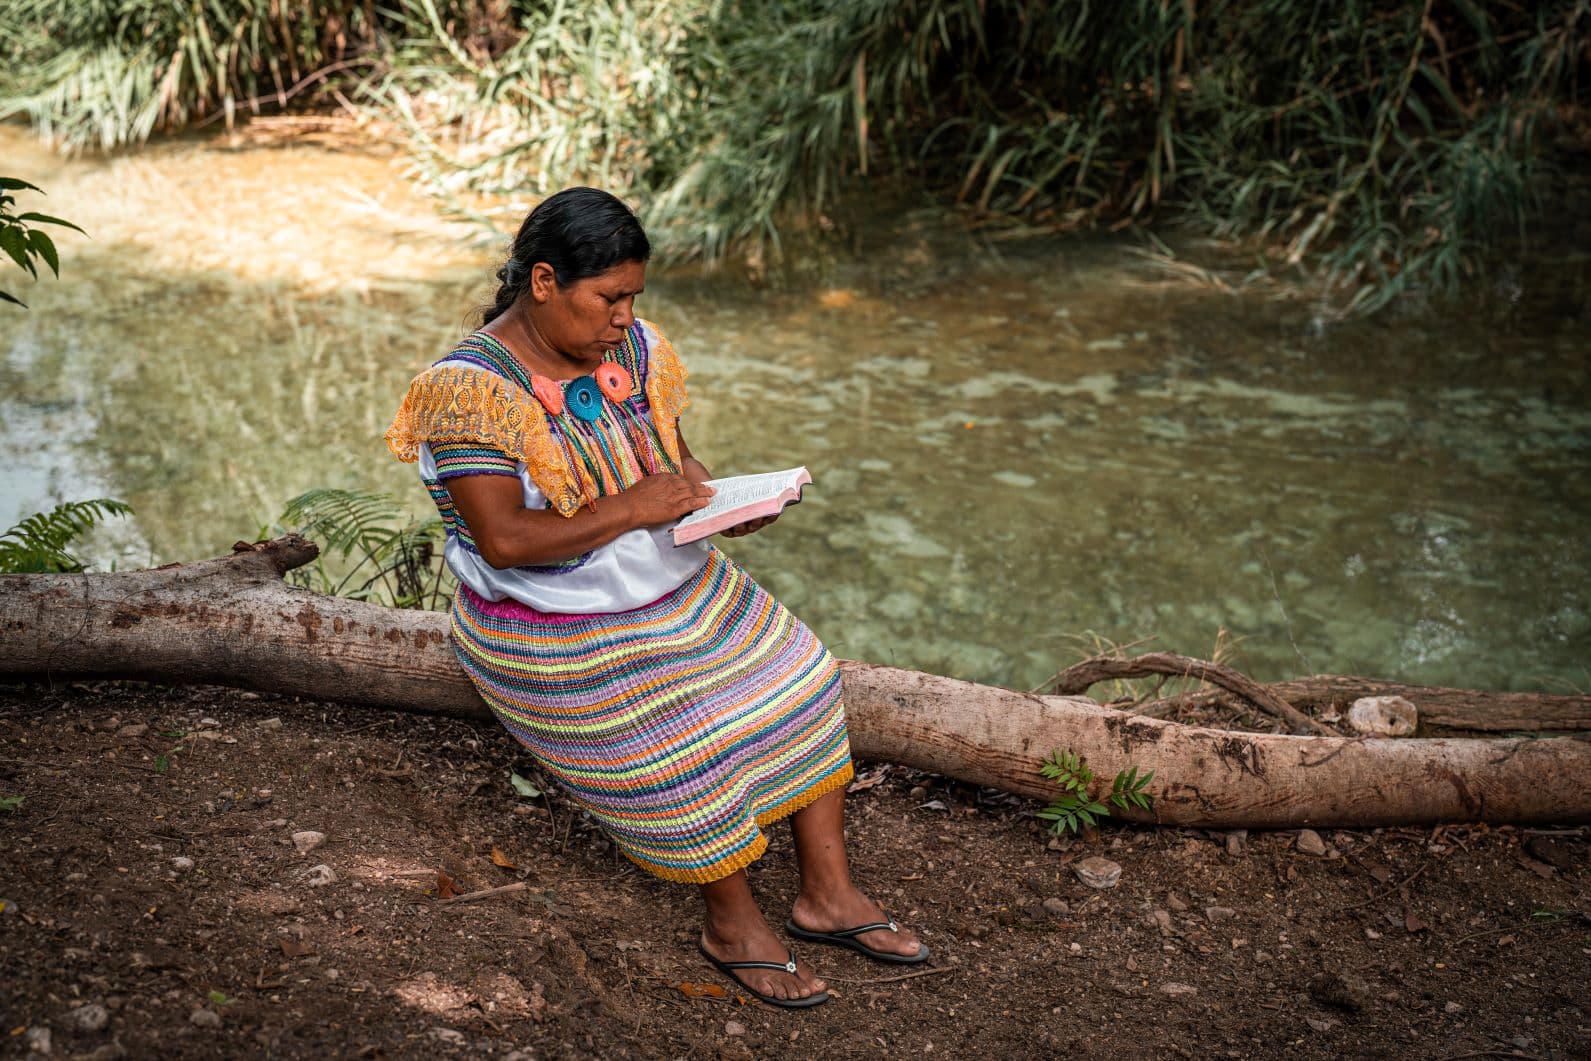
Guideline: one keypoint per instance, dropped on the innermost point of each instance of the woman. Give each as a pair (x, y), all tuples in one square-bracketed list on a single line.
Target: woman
[(674, 700)]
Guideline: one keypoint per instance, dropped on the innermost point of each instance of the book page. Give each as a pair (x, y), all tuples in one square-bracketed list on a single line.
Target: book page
[(739, 491)]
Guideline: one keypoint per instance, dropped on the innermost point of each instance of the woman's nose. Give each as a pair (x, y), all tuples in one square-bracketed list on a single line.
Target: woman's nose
[(624, 315)]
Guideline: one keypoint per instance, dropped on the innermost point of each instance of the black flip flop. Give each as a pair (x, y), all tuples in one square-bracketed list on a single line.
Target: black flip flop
[(846, 937), (728, 969)]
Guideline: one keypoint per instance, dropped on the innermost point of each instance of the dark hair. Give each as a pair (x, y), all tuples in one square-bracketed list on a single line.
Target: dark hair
[(580, 232)]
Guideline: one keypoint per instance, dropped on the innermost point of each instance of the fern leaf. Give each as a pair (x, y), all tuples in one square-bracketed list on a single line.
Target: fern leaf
[(39, 544)]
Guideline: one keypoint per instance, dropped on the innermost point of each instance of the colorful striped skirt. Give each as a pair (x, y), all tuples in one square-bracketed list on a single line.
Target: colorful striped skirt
[(682, 726)]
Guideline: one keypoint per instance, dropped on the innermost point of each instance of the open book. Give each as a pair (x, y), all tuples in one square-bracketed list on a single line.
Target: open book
[(741, 498)]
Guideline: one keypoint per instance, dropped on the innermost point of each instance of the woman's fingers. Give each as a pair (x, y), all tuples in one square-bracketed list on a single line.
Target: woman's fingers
[(749, 526)]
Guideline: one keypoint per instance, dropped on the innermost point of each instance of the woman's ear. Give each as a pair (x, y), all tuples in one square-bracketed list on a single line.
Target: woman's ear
[(543, 283)]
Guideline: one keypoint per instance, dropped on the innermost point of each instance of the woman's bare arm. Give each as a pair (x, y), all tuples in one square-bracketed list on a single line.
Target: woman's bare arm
[(694, 469), (508, 534)]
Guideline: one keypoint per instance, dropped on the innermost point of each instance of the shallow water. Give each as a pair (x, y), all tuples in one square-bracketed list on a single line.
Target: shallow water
[(1017, 448)]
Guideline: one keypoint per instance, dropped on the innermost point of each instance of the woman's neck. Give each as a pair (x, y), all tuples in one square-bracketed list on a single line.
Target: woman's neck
[(519, 336)]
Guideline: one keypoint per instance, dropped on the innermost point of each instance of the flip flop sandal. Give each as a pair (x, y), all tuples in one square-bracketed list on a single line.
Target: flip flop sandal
[(728, 969), (846, 937)]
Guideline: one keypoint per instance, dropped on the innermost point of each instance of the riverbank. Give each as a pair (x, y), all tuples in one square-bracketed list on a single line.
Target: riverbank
[(157, 888)]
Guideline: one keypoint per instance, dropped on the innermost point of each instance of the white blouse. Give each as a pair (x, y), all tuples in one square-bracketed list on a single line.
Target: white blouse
[(636, 568)]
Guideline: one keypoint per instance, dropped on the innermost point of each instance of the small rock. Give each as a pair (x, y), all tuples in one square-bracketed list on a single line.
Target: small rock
[(182, 863), (38, 1039), (1318, 1025), (919, 792), (1219, 913), (1452, 1007), (734, 1027), (8, 907), (1237, 843), (1176, 990), (1162, 919), (1371, 933), (1383, 716), (451, 1036), (1339, 989), (91, 1018), (320, 876), (307, 840), (1056, 907), (212, 723), (1098, 872), (137, 729), (112, 1051), (1310, 843), (205, 1018), (1075, 948), (270, 723), (1176, 903)]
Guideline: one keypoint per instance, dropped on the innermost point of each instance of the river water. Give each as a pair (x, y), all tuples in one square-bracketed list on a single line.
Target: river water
[(1020, 449)]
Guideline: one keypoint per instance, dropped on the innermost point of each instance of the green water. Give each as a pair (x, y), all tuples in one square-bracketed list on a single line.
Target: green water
[(1017, 447)]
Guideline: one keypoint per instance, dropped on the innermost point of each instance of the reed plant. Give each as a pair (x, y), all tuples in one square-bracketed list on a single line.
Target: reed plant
[(1370, 146), (107, 73)]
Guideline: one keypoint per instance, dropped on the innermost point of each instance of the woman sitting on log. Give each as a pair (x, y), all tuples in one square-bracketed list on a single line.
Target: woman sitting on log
[(675, 700)]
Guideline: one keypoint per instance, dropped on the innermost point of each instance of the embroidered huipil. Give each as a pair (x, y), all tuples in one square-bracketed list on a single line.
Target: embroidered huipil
[(474, 413)]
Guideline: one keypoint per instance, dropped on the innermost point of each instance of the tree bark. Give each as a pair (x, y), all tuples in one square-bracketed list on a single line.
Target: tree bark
[(232, 621), (1442, 710)]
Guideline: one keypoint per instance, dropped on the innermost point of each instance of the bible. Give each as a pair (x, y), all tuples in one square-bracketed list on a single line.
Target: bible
[(739, 499)]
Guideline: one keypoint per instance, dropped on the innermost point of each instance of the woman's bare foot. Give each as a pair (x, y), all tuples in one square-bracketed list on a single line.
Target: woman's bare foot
[(747, 940), (846, 907), (737, 932)]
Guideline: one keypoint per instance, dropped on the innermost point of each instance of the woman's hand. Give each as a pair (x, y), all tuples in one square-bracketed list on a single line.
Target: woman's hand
[(750, 526), (658, 499)]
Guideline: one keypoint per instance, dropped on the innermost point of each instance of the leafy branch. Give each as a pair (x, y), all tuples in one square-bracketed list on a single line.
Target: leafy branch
[(1076, 808), (22, 242)]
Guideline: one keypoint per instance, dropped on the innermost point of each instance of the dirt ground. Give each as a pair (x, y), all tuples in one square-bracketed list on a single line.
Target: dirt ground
[(155, 904)]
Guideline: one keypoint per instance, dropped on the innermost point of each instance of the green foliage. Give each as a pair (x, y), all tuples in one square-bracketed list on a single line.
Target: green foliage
[(1076, 808), (20, 238), (11, 803), (383, 555), (163, 760), (104, 73), (38, 545), (1370, 146)]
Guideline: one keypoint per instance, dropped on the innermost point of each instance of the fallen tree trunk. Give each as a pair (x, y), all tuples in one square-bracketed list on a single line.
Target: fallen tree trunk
[(1441, 709), (234, 622)]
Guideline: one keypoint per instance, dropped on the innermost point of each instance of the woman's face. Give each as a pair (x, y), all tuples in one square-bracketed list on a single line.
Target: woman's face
[(589, 317)]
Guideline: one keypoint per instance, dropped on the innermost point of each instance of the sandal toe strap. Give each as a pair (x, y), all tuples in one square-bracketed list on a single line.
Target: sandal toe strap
[(874, 927), (784, 967)]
